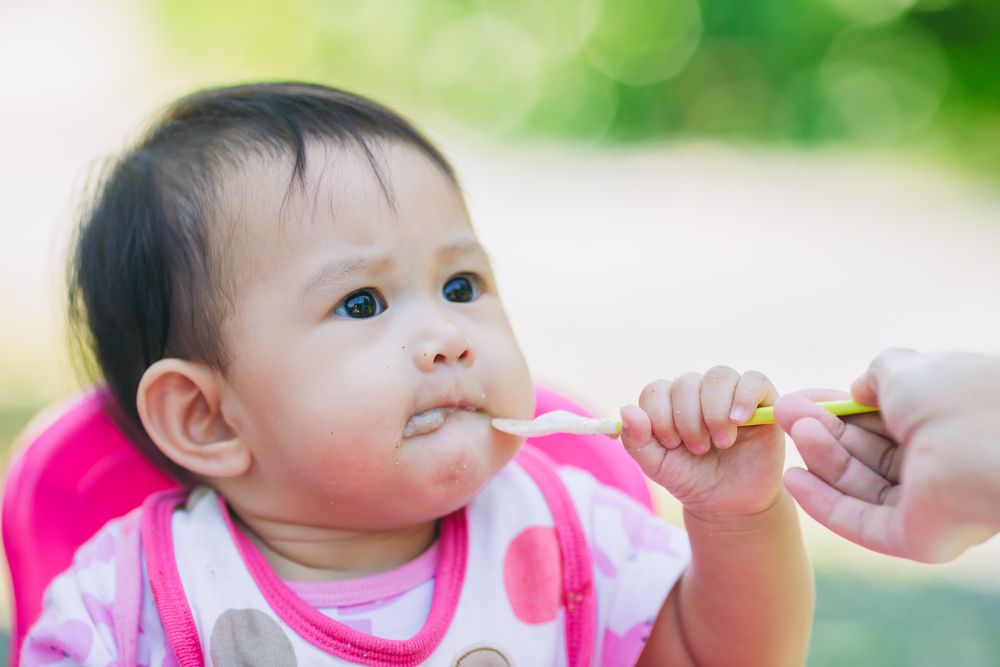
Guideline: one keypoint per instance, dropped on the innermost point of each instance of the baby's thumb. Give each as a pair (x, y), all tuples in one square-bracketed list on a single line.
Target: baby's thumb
[(637, 436), (636, 428)]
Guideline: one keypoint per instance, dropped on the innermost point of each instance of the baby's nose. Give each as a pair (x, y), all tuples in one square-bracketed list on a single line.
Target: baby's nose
[(445, 344)]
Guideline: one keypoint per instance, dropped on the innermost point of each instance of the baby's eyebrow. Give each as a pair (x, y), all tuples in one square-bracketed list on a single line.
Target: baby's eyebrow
[(463, 249), (335, 272)]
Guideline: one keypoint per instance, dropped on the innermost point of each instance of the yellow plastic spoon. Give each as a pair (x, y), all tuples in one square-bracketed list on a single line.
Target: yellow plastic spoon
[(561, 421)]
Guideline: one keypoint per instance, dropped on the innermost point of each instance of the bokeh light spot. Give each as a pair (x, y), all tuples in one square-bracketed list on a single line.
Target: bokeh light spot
[(645, 41), (484, 67), (884, 85)]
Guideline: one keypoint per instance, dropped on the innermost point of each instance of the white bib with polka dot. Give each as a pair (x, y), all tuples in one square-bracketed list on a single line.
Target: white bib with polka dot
[(507, 578)]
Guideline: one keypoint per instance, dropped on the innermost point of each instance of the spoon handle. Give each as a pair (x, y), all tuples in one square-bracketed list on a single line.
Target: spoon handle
[(840, 408)]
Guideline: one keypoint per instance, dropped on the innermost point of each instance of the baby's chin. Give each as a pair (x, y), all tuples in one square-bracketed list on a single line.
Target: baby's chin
[(458, 459)]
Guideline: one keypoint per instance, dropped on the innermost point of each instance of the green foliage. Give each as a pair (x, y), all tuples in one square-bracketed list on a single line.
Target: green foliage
[(893, 73), (13, 419)]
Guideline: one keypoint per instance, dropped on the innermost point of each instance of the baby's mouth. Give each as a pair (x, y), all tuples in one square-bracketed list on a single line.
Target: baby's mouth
[(431, 420)]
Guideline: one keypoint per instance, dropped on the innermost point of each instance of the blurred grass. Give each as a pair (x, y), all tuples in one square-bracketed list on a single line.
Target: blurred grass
[(13, 418), (868, 621)]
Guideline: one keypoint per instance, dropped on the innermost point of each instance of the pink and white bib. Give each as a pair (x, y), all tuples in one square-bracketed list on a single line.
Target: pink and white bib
[(544, 567)]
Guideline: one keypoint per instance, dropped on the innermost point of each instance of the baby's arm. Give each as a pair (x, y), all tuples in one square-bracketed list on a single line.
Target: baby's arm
[(747, 598)]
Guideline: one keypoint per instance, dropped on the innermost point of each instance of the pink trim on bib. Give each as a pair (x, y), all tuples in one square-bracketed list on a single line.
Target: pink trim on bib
[(578, 596), (578, 581), (165, 580), (127, 607), (368, 589), (345, 642), (319, 630)]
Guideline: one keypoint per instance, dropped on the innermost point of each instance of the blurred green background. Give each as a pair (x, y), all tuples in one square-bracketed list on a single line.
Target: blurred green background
[(918, 80), (916, 73)]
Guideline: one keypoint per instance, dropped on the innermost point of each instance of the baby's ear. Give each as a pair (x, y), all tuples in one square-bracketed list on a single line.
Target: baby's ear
[(178, 403)]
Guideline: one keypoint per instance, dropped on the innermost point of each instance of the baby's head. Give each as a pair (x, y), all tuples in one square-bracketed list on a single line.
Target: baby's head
[(287, 300)]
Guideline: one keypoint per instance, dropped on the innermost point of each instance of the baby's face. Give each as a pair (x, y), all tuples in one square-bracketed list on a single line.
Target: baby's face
[(369, 346)]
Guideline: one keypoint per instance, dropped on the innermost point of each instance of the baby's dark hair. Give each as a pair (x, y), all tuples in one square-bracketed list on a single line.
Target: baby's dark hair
[(143, 276)]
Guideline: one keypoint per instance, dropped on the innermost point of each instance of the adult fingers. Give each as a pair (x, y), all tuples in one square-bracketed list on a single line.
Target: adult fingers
[(792, 407), (866, 388), (827, 458), (865, 524), (867, 441)]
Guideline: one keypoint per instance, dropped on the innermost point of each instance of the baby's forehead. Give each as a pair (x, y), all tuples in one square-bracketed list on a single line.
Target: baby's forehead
[(264, 206), (268, 186)]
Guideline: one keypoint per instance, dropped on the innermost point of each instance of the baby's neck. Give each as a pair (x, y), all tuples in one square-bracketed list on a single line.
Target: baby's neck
[(308, 553)]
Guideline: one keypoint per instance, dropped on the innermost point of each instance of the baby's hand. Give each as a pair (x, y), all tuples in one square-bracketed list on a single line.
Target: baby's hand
[(684, 436)]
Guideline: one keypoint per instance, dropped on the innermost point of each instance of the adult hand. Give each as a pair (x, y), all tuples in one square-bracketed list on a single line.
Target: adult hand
[(921, 478)]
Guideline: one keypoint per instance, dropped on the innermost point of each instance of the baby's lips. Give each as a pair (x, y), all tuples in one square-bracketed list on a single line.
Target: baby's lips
[(458, 395), (426, 421), (432, 419)]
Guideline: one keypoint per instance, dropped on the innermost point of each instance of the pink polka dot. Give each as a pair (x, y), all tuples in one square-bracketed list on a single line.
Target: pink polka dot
[(533, 575), (99, 612), (602, 560), (169, 660), (624, 650), (657, 539), (48, 643), (105, 548)]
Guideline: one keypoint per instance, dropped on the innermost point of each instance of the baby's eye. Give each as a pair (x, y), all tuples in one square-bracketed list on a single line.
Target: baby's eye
[(363, 303), (461, 289)]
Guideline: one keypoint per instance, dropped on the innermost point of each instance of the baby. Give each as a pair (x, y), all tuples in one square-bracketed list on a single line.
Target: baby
[(295, 319)]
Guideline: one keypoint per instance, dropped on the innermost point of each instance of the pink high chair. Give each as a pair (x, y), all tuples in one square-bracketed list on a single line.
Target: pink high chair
[(74, 470)]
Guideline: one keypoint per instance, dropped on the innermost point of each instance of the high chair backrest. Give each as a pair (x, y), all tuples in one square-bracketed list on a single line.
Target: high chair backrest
[(74, 471)]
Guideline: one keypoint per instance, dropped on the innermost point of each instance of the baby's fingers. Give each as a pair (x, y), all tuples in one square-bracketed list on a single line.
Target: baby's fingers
[(655, 402), (637, 436), (717, 390), (685, 397), (753, 390)]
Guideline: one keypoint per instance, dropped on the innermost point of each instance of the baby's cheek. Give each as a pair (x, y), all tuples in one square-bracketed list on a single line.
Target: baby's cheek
[(510, 390)]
